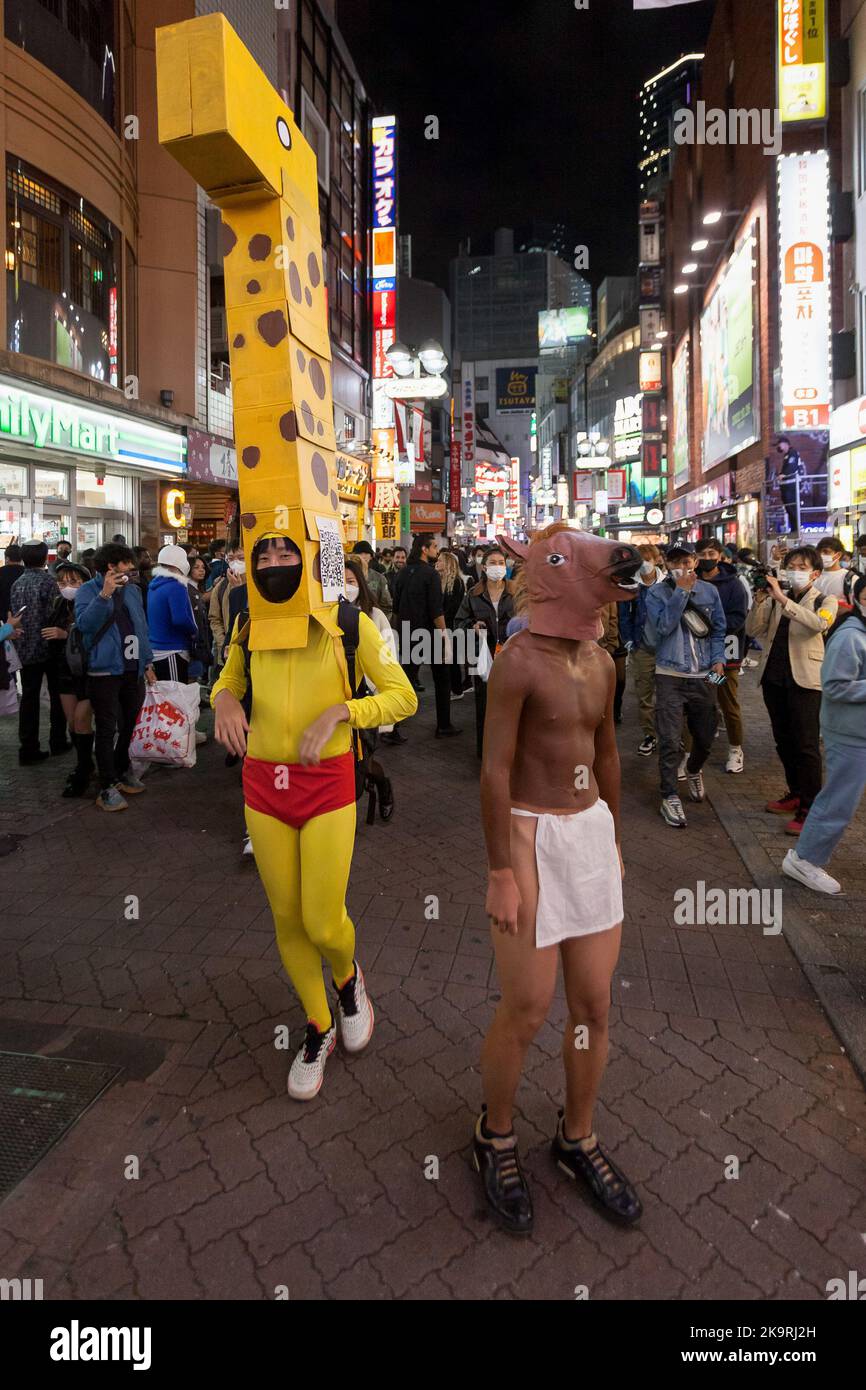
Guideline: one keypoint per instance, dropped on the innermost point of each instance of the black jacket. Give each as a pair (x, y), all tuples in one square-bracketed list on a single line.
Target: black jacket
[(735, 603), (418, 595), (452, 602), (8, 575), (477, 608)]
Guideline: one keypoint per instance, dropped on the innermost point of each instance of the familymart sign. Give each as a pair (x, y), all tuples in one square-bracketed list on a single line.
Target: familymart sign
[(40, 421)]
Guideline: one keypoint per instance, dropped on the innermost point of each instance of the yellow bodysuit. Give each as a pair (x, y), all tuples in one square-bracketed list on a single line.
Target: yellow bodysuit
[(305, 871)]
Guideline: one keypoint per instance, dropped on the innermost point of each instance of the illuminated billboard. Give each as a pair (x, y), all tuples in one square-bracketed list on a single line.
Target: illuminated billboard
[(801, 61), (804, 290), (680, 411), (729, 396), (383, 287), (559, 328)]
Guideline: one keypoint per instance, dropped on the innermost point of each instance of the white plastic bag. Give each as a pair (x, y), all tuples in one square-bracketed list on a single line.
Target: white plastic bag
[(485, 663), (165, 729)]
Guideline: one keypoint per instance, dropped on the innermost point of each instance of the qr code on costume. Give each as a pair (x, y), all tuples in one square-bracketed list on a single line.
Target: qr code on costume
[(331, 559)]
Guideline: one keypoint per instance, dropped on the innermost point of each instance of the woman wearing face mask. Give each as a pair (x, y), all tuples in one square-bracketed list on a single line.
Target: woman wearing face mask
[(487, 609), (843, 727), (197, 583), (791, 626), (76, 706)]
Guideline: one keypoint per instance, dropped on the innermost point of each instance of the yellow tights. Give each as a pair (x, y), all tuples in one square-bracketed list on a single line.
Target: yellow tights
[(305, 873)]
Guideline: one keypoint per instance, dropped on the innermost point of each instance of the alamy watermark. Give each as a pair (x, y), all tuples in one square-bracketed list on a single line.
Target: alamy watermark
[(729, 907), (736, 126)]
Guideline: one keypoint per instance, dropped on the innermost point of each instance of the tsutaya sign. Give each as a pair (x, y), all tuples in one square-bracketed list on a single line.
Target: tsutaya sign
[(54, 422)]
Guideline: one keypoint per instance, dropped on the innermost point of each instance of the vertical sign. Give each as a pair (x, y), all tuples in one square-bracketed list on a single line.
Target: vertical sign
[(383, 287), (454, 478), (512, 510), (467, 397), (801, 61), (804, 289)]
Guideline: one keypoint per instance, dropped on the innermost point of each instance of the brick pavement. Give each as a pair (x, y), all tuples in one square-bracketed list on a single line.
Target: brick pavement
[(719, 1049)]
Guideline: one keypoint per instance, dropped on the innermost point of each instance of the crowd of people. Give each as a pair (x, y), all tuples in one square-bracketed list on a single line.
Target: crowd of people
[(96, 628)]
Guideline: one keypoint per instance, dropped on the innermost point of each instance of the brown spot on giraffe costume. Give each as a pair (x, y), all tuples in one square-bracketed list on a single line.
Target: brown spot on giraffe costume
[(223, 121)]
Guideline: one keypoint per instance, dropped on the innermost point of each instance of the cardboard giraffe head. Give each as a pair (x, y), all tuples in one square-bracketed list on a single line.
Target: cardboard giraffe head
[(225, 124)]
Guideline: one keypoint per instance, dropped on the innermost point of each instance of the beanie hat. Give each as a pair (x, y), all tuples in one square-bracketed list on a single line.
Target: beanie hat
[(175, 557)]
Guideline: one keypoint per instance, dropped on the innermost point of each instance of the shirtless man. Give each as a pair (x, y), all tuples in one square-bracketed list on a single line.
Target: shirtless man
[(550, 807)]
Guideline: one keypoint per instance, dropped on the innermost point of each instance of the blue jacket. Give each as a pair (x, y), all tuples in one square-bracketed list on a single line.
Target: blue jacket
[(666, 633), (91, 612), (170, 618), (632, 617), (843, 678)]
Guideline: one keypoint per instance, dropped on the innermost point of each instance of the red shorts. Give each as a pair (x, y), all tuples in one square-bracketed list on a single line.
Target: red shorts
[(294, 794)]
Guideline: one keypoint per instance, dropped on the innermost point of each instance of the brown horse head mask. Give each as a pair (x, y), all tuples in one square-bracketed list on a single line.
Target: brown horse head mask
[(570, 576)]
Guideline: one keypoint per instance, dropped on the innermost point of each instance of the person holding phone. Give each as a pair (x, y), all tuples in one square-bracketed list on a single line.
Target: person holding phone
[(686, 626), (110, 615), (32, 597), (791, 622)]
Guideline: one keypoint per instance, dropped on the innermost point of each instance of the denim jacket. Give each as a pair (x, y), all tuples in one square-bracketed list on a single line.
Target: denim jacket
[(668, 635), (91, 613)]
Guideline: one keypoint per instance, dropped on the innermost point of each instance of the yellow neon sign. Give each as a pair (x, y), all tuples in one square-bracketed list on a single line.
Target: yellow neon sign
[(172, 507), (801, 61)]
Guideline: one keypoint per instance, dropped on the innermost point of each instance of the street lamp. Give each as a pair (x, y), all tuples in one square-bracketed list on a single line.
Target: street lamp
[(414, 362)]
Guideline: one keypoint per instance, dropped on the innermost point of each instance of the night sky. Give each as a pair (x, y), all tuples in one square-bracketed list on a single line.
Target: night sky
[(537, 111)]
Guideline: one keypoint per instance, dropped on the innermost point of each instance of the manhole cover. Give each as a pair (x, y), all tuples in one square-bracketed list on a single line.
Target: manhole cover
[(40, 1097)]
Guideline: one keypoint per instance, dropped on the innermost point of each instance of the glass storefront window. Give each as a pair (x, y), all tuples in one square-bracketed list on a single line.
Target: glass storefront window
[(74, 39), (51, 483), (10, 521), (112, 492), (62, 277), (50, 529), (13, 480)]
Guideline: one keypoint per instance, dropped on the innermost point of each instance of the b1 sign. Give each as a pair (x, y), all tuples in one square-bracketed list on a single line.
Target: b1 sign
[(804, 290)]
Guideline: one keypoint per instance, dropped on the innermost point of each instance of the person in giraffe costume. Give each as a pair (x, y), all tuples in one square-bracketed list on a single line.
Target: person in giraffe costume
[(226, 126)]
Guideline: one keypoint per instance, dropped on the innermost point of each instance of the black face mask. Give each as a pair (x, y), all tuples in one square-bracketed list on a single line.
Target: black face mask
[(278, 583), (706, 566)]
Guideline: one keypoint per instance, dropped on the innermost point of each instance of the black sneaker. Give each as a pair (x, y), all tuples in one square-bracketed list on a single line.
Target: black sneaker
[(30, 759), (502, 1179), (647, 746), (448, 733), (394, 738), (77, 783), (610, 1188)]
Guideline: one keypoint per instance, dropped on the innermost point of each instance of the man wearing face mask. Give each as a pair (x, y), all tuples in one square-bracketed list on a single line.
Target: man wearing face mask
[(843, 727), (735, 597), (686, 622), (642, 659), (832, 576), (791, 625), (219, 610)]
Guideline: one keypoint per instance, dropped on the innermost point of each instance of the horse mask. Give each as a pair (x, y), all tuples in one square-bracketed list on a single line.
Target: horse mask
[(570, 576)]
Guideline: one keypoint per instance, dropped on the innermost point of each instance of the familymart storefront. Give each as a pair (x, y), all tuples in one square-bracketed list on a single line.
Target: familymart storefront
[(76, 472)]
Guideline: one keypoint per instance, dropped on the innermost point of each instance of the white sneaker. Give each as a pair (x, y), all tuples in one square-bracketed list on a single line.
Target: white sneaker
[(200, 738), (682, 774), (673, 813), (696, 785), (747, 663), (248, 846), (308, 1069), (735, 761), (810, 874), (355, 1013)]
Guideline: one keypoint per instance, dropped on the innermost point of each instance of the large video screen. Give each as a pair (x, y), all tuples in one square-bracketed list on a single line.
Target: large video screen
[(729, 360)]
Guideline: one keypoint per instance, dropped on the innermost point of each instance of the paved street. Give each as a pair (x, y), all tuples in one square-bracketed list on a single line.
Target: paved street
[(720, 1050)]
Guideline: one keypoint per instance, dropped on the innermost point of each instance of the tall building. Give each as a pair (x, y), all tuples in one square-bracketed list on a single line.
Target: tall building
[(497, 299), (660, 98)]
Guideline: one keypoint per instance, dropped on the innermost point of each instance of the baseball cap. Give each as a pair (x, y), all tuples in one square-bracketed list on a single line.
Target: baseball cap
[(679, 548)]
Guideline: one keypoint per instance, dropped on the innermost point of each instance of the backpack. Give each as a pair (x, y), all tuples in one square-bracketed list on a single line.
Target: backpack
[(369, 774), (76, 653)]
